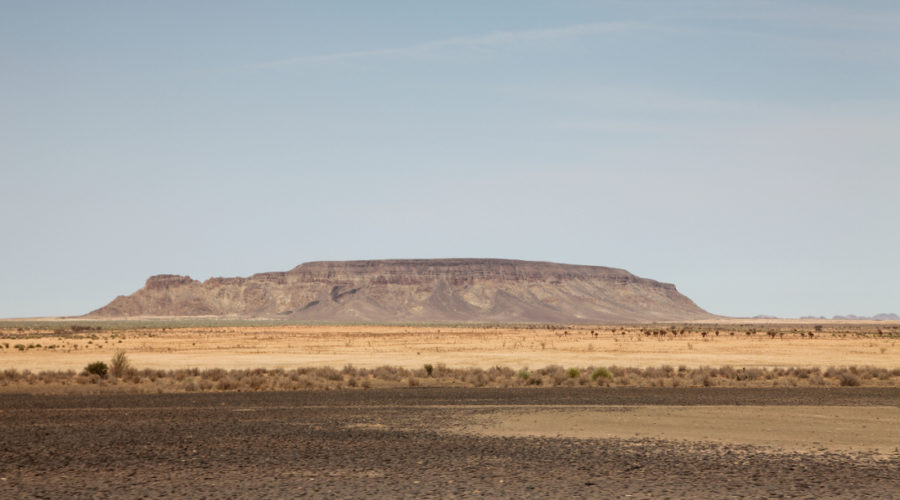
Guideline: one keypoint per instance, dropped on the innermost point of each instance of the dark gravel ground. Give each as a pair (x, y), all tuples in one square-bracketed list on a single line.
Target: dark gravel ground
[(391, 443)]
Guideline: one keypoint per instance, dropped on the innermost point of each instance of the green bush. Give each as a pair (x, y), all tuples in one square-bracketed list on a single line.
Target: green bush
[(601, 372), (524, 374), (429, 369), (573, 372), (98, 368)]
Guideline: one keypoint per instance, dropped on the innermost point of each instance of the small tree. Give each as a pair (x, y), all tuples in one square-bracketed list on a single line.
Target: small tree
[(120, 366)]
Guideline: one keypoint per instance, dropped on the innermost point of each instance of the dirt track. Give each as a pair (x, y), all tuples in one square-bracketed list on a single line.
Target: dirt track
[(406, 443)]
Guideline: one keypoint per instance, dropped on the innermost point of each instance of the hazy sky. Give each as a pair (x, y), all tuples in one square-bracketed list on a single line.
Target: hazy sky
[(748, 152)]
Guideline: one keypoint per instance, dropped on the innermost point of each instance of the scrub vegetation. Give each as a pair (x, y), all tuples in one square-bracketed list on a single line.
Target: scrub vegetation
[(98, 377)]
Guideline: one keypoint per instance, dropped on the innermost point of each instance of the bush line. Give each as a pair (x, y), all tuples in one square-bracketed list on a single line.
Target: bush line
[(123, 376)]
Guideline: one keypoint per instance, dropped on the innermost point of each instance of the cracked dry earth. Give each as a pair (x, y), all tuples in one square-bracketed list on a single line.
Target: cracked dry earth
[(421, 443)]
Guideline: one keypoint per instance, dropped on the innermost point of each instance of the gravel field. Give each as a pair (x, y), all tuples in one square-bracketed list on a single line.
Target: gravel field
[(405, 443)]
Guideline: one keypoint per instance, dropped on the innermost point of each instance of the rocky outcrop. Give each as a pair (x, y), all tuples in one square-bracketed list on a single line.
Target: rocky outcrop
[(479, 290)]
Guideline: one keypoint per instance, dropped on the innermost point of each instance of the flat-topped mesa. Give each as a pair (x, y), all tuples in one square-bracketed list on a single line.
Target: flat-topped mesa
[(418, 290)]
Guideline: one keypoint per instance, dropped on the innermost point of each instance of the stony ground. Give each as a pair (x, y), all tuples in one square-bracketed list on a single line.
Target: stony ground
[(403, 443)]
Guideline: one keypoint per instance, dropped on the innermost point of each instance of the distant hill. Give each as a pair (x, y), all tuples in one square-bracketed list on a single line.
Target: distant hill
[(877, 317), (478, 290)]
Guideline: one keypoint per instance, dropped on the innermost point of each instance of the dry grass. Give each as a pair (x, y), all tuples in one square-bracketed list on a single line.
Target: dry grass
[(750, 345), (351, 377), (50, 358)]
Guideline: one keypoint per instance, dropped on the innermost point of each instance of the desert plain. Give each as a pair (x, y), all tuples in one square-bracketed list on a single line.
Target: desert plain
[(173, 344), (724, 409)]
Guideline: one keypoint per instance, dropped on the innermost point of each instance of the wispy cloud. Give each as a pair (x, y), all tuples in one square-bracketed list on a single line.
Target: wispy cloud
[(851, 17), (852, 32), (490, 40)]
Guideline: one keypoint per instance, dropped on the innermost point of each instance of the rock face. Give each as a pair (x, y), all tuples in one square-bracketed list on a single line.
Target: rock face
[(479, 290)]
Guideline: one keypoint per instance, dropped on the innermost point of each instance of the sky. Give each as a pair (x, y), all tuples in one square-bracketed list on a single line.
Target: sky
[(748, 152)]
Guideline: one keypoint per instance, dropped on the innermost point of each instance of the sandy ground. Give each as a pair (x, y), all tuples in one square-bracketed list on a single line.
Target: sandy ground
[(784, 428), (411, 347)]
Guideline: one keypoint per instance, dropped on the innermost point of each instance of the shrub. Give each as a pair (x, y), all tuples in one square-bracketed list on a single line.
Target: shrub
[(750, 374), (189, 385), (573, 372), (500, 372), (257, 381), (226, 383), (727, 371), (478, 378), (328, 373), (212, 374), (429, 369), (391, 373), (119, 366), (849, 380), (98, 368), (524, 374), (601, 372)]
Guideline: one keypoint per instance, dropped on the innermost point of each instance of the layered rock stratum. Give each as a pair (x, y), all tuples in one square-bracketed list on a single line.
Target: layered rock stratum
[(432, 290)]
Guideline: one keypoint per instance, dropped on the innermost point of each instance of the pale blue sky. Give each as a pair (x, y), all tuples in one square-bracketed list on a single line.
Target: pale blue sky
[(748, 152)]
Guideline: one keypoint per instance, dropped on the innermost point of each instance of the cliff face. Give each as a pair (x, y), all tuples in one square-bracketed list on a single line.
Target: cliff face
[(481, 290)]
